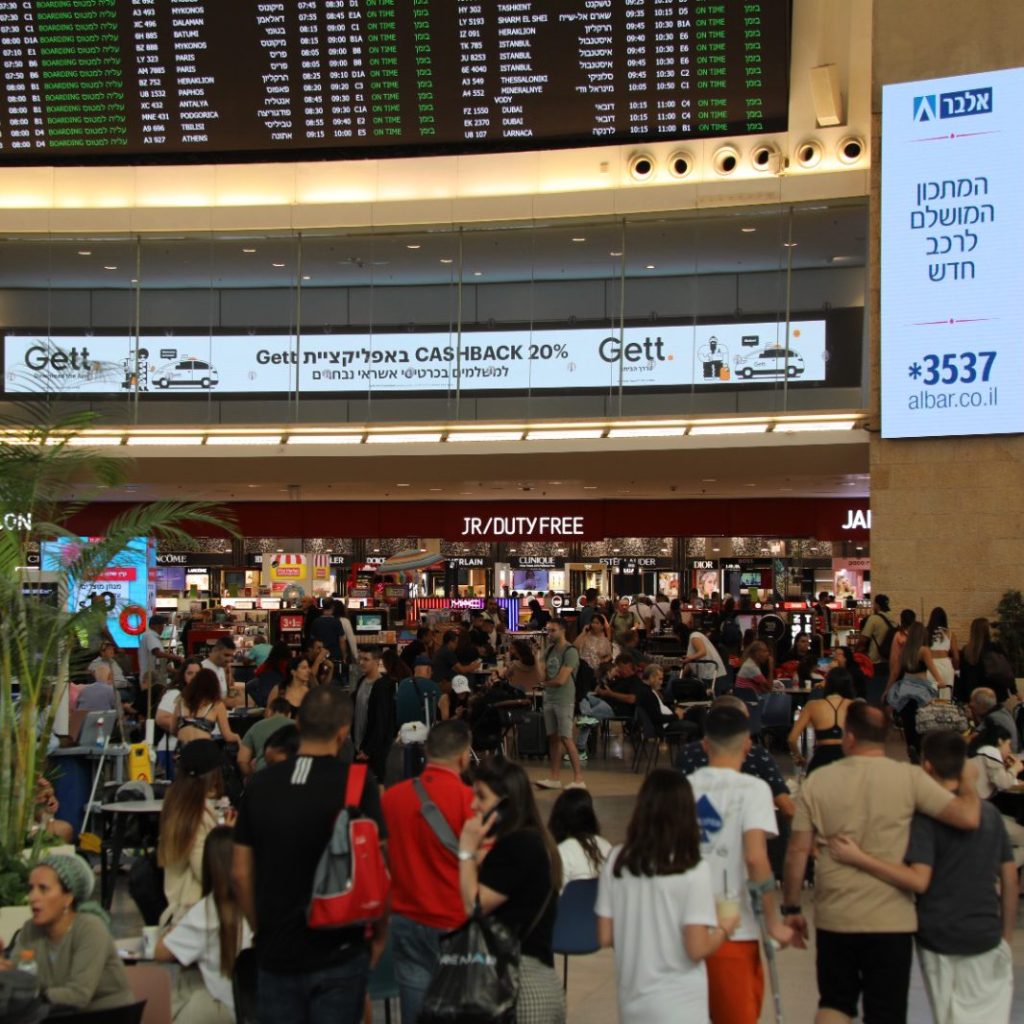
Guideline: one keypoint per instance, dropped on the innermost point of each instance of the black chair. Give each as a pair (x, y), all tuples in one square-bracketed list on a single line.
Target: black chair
[(243, 988), (131, 1014), (647, 744), (628, 725)]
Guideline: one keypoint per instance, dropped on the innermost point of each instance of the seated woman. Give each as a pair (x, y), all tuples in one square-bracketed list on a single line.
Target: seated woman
[(998, 770), (78, 966), (574, 827), (755, 674), (300, 675), (209, 937), (271, 673), (188, 815), (828, 718), (201, 709), (454, 700), (917, 685), (521, 668)]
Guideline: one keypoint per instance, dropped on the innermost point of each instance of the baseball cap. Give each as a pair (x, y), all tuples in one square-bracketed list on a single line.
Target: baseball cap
[(460, 684)]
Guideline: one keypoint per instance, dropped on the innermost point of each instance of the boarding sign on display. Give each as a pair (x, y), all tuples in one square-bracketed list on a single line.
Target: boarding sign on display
[(952, 283), (715, 355)]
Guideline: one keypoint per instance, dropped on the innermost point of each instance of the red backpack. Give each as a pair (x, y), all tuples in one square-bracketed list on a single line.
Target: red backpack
[(351, 884)]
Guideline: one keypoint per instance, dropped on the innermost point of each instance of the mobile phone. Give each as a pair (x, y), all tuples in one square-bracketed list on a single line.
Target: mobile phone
[(497, 813)]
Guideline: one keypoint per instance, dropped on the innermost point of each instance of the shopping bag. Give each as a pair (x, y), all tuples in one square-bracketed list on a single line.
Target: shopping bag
[(477, 977)]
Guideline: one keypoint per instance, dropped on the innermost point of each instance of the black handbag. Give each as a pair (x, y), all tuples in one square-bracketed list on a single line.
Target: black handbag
[(477, 977)]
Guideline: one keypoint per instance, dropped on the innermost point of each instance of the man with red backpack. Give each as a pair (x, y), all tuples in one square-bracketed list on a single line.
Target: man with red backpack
[(285, 823)]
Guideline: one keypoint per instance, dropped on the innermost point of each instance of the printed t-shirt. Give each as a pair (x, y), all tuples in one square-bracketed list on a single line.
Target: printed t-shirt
[(872, 800), (425, 875), (730, 804), (287, 816)]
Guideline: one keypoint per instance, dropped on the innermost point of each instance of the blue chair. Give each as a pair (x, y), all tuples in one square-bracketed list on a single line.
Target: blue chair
[(575, 931), (383, 984)]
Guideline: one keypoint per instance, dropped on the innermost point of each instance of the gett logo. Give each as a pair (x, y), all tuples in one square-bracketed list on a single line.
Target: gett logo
[(39, 357), (649, 350)]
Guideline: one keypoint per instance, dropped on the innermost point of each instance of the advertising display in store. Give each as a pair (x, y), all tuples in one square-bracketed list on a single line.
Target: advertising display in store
[(127, 586), (849, 576), (716, 355), (952, 301)]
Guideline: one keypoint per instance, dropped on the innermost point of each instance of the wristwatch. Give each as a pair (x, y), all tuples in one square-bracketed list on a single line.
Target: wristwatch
[(466, 854), (789, 909)]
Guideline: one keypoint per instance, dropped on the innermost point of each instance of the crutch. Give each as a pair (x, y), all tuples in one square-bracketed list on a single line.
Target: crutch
[(757, 891)]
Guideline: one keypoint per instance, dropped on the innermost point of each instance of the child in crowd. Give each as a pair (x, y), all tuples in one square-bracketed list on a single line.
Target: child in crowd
[(655, 906)]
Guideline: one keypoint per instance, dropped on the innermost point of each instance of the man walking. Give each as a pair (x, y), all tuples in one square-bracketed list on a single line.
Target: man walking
[(865, 925), (284, 824), (967, 898), (425, 897), (736, 817), (561, 662), (877, 635)]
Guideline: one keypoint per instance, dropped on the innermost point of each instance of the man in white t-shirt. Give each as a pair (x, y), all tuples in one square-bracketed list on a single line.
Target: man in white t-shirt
[(219, 661), (153, 659), (736, 815)]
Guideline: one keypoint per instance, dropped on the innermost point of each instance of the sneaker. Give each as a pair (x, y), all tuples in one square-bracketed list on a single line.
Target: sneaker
[(582, 754), (577, 785), (588, 720), (549, 783)]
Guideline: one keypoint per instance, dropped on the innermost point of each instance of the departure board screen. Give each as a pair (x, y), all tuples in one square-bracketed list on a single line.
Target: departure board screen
[(166, 79)]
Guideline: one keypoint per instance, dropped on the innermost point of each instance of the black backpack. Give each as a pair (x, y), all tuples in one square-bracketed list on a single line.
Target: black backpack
[(885, 647)]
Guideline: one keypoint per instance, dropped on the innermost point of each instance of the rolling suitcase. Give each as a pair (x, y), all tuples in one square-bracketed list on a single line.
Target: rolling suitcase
[(531, 736)]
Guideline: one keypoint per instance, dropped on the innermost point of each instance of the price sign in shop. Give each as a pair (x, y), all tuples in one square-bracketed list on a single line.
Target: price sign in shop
[(952, 212)]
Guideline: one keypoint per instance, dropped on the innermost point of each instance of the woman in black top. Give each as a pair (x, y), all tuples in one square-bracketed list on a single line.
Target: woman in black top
[(972, 664), (510, 864)]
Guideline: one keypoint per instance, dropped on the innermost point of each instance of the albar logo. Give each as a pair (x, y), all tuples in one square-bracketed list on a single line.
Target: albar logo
[(952, 104)]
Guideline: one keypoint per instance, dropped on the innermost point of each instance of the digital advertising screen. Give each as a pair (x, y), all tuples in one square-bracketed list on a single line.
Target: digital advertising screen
[(952, 278), (671, 355), (135, 80)]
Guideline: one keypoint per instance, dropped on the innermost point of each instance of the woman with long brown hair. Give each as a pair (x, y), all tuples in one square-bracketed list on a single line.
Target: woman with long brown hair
[(300, 677), (188, 815), (210, 936), (201, 710), (655, 906), (510, 864), (972, 664)]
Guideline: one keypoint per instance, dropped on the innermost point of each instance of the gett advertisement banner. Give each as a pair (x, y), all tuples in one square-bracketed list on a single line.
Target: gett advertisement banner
[(718, 355)]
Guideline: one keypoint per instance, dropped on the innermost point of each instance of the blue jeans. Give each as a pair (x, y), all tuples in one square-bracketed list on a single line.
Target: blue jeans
[(595, 708), (334, 995), (416, 949)]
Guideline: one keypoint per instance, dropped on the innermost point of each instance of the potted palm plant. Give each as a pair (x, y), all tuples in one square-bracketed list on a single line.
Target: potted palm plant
[(44, 458)]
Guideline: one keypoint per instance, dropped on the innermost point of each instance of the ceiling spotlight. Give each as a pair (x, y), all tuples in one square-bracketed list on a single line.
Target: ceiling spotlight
[(413, 245), (306, 277), (110, 267), (248, 251), (85, 252), (579, 239), (790, 245), (445, 259), (748, 231), (650, 266), (615, 254), (478, 273), (278, 265)]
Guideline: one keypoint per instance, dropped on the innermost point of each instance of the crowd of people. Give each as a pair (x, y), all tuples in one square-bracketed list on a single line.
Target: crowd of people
[(900, 852)]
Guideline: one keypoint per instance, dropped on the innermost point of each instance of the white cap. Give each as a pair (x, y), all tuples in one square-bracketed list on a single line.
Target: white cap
[(460, 684)]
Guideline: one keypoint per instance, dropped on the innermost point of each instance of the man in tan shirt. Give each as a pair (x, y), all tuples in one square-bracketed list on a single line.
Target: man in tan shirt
[(865, 927)]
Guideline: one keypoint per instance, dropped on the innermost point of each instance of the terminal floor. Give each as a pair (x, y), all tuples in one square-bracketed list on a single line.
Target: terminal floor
[(592, 991)]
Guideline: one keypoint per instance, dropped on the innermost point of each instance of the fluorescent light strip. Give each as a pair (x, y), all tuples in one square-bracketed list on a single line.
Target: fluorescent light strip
[(83, 441), (647, 432), (485, 435), (563, 435), (154, 440), (324, 439), (745, 428), (246, 439), (801, 428), (403, 438)]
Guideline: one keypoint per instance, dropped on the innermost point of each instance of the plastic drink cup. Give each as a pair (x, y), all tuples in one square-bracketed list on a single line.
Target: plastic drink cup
[(150, 936), (727, 905)]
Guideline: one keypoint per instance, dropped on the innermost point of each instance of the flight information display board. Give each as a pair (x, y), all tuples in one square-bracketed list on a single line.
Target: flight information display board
[(166, 79)]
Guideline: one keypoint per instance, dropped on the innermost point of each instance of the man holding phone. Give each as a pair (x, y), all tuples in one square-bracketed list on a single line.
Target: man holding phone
[(561, 662)]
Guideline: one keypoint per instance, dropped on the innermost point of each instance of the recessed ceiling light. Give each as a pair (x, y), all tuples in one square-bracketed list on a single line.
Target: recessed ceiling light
[(615, 254), (85, 252), (748, 231), (278, 265), (478, 273), (615, 551), (306, 277), (578, 239), (750, 485), (710, 480), (248, 251), (716, 549), (134, 280), (445, 259), (376, 551), (413, 245), (650, 266), (590, 487), (403, 485), (790, 245), (110, 267), (555, 483), (280, 551), (435, 489)]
